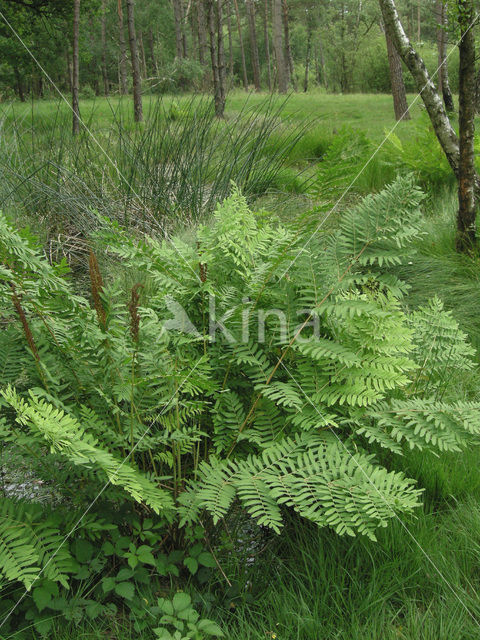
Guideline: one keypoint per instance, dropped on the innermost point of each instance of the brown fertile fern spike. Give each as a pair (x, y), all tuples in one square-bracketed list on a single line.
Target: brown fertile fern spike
[(96, 282), (133, 309), (24, 321)]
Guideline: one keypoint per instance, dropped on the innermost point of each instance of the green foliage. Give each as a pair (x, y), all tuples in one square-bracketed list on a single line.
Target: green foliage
[(180, 614), (288, 368)]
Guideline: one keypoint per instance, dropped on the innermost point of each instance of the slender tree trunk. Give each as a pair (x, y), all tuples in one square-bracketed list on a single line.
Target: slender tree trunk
[(459, 153), (76, 68), (104, 47), (267, 45), (151, 46), (143, 59), (19, 81), (322, 63), (123, 51), (288, 48), (215, 28), (184, 33), (281, 66), (307, 57), (419, 22), (441, 124), (400, 105), (443, 82), (202, 36), (466, 220), (253, 44), (242, 50), (69, 70), (137, 82), (178, 17), (230, 41)]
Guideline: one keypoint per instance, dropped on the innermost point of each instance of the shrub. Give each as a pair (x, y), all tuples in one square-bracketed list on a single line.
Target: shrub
[(287, 370)]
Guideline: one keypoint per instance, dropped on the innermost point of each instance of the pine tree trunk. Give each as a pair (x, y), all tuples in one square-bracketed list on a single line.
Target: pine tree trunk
[(253, 44), (419, 22), (123, 51), (400, 105), (322, 63), (281, 66), (178, 17), (288, 48), (242, 50), (443, 82), (202, 36), (307, 58), (466, 225), (19, 82), (184, 34), (137, 82), (76, 68), (230, 41), (215, 24), (267, 45), (151, 46), (104, 48), (143, 59)]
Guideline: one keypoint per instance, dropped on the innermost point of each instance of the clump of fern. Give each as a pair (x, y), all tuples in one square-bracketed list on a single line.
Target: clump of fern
[(287, 399)]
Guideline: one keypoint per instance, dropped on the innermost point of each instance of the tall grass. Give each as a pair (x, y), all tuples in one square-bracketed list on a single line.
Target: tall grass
[(171, 170)]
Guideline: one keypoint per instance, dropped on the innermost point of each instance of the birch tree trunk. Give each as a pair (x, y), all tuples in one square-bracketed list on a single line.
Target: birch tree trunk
[(459, 152), (137, 82), (253, 44), (76, 69), (443, 82), (400, 105), (466, 225), (123, 51), (441, 124), (277, 24)]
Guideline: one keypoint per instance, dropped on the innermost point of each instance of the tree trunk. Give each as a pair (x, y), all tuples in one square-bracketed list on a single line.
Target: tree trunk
[(466, 224), (202, 36), (137, 82), (178, 16), (267, 45), (281, 67), (459, 153), (143, 59), (230, 41), (214, 17), (400, 105), (76, 68), (443, 83), (322, 63), (288, 48), (151, 46), (104, 48), (242, 50), (123, 52), (253, 44), (307, 58), (19, 82), (441, 124), (419, 22)]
